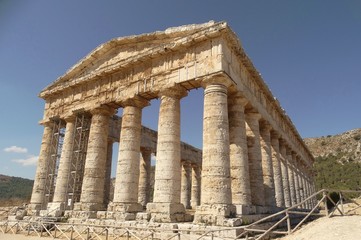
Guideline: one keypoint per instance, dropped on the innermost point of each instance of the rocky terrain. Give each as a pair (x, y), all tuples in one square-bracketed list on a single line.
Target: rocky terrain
[(346, 146)]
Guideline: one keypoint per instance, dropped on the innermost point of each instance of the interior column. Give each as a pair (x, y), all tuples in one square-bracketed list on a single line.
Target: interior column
[(125, 202), (92, 193), (60, 199), (166, 206)]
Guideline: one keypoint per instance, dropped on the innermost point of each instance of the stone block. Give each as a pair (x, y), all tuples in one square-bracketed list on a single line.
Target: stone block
[(143, 216), (166, 212), (225, 210), (263, 209), (127, 208), (168, 208), (102, 215), (83, 214), (12, 218), (55, 209), (121, 216), (43, 213), (245, 209)]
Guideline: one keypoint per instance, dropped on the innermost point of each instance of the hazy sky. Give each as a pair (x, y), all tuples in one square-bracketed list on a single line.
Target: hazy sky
[(308, 52)]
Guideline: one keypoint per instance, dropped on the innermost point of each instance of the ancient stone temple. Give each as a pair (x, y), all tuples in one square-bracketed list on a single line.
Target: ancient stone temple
[(253, 160)]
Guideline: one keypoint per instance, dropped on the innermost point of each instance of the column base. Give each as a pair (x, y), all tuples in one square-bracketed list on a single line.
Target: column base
[(125, 211), (242, 209), (166, 212), (81, 206), (33, 209), (217, 214), (125, 207)]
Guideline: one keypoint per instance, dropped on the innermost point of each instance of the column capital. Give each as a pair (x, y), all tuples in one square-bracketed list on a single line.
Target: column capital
[(275, 135), (186, 163), (253, 116), (70, 118), (283, 142), (289, 150), (47, 123), (217, 79), (103, 110), (146, 150), (237, 98), (176, 91), (135, 102), (265, 126)]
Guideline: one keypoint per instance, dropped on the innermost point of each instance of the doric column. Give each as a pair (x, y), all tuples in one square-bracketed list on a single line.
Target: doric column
[(127, 176), (308, 190), (255, 159), (291, 177), (284, 170), (241, 189), (267, 166), (280, 201), (216, 194), (108, 172), (196, 186), (300, 182), (61, 187), (38, 193), (295, 177), (186, 181), (144, 177), (166, 206), (304, 188), (92, 192)]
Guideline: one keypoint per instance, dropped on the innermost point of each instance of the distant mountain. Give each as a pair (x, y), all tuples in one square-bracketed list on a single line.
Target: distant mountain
[(15, 188), (345, 146)]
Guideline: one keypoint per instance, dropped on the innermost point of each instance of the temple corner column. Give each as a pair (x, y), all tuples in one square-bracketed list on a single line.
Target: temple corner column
[(216, 197), (38, 193)]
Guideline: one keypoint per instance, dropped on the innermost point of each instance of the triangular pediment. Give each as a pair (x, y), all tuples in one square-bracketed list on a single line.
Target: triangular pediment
[(124, 49)]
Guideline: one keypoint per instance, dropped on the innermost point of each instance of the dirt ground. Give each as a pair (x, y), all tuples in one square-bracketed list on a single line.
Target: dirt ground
[(335, 228), (20, 237)]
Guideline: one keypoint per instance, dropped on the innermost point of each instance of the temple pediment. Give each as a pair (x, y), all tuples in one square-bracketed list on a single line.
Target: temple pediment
[(120, 53)]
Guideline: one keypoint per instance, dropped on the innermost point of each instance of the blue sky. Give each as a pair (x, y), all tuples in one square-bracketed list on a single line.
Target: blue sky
[(308, 52)]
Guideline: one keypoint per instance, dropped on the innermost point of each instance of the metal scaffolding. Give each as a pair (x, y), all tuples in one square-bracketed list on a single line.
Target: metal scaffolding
[(56, 145), (80, 143)]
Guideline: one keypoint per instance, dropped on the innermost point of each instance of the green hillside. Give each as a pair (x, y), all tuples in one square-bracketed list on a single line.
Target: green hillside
[(331, 173), (15, 188)]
